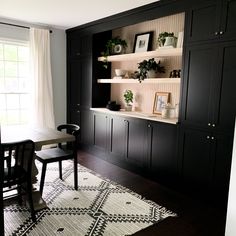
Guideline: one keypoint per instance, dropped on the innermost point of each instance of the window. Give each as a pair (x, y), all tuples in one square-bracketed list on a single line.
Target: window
[(15, 86)]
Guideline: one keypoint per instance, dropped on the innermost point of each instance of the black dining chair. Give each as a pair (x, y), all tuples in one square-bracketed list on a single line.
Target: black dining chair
[(18, 158), (60, 153)]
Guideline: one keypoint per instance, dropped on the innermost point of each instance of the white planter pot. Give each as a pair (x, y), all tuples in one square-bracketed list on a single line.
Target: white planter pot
[(128, 107), (151, 74)]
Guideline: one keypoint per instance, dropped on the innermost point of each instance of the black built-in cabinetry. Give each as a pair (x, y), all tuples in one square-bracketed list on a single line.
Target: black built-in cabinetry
[(196, 153), (208, 104)]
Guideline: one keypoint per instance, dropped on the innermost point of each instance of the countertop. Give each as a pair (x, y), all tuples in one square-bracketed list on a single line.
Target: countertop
[(135, 114)]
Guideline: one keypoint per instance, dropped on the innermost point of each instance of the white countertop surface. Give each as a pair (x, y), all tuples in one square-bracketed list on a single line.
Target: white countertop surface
[(136, 114)]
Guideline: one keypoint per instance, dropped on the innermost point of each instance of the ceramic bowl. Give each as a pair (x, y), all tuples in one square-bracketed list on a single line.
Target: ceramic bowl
[(120, 72)]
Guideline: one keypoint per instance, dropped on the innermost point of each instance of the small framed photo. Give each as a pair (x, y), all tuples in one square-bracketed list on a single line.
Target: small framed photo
[(143, 42), (161, 98)]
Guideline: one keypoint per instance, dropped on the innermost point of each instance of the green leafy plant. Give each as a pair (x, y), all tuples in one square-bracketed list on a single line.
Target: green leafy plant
[(128, 96), (109, 48), (162, 38), (147, 65)]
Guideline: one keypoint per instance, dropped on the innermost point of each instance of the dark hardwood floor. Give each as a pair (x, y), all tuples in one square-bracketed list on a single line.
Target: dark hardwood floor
[(194, 217)]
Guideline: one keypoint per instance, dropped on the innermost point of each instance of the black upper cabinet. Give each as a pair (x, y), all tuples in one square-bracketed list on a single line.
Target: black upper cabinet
[(212, 20), (209, 97), (79, 47), (228, 26), (225, 107), (73, 96)]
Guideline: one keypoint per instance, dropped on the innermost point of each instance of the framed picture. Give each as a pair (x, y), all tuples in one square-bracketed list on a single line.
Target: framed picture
[(143, 42), (161, 98)]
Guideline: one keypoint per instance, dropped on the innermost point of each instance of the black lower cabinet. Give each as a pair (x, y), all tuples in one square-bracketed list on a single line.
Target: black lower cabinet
[(100, 131), (127, 140), (161, 152), (135, 140), (204, 163), (117, 138), (86, 128)]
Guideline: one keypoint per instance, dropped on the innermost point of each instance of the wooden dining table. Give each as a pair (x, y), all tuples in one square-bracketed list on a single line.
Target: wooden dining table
[(41, 137)]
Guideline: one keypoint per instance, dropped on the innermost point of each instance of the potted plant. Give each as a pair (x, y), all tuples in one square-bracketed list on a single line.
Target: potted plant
[(128, 97), (113, 46), (149, 68), (162, 38)]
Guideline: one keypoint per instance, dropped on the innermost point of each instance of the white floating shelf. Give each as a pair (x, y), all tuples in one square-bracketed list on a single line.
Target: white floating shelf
[(146, 81), (159, 53)]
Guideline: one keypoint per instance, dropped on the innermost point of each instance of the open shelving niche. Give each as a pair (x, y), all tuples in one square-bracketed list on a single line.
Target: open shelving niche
[(159, 53)]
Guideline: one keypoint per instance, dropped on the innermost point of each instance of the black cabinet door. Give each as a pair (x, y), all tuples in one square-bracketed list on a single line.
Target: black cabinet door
[(118, 137), (196, 162), (225, 102), (73, 92), (100, 130), (79, 47), (86, 82), (162, 147), (203, 21), (228, 26), (87, 127), (199, 75), (223, 145), (135, 142)]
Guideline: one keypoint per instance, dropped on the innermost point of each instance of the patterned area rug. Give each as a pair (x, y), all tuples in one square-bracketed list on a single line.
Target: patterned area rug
[(99, 207)]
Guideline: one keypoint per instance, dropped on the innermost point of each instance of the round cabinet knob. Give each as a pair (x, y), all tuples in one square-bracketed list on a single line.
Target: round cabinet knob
[(213, 125), (208, 136), (221, 32), (149, 126), (78, 111), (209, 124), (216, 33), (212, 138)]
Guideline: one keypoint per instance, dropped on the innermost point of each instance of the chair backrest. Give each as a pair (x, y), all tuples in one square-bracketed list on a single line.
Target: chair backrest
[(15, 155), (69, 129)]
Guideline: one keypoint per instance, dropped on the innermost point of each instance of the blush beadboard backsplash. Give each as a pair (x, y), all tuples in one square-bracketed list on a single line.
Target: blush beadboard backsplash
[(144, 93)]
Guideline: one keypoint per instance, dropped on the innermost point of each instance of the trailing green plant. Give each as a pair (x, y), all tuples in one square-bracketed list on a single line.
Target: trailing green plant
[(109, 48), (128, 96), (162, 37), (147, 65)]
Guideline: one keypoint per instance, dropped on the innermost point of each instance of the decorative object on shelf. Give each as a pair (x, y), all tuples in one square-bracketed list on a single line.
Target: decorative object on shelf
[(113, 46), (167, 40), (180, 40), (161, 99), (120, 72), (143, 42), (147, 66), (128, 97), (113, 106), (175, 74), (168, 111)]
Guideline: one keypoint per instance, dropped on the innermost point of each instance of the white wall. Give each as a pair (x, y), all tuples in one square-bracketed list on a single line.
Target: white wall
[(231, 213), (58, 61)]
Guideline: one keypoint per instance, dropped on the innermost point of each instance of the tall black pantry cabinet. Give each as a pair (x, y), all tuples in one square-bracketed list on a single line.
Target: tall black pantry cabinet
[(208, 104)]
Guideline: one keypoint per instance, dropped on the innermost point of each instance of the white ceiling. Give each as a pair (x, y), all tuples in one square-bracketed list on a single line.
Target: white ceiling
[(64, 14)]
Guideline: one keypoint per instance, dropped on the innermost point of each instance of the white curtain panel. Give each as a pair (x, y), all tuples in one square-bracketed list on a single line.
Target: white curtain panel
[(43, 112)]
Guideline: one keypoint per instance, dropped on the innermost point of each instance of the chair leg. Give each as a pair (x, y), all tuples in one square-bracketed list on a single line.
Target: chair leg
[(42, 178), (30, 200), (75, 173), (60, 169), (19, 192)]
